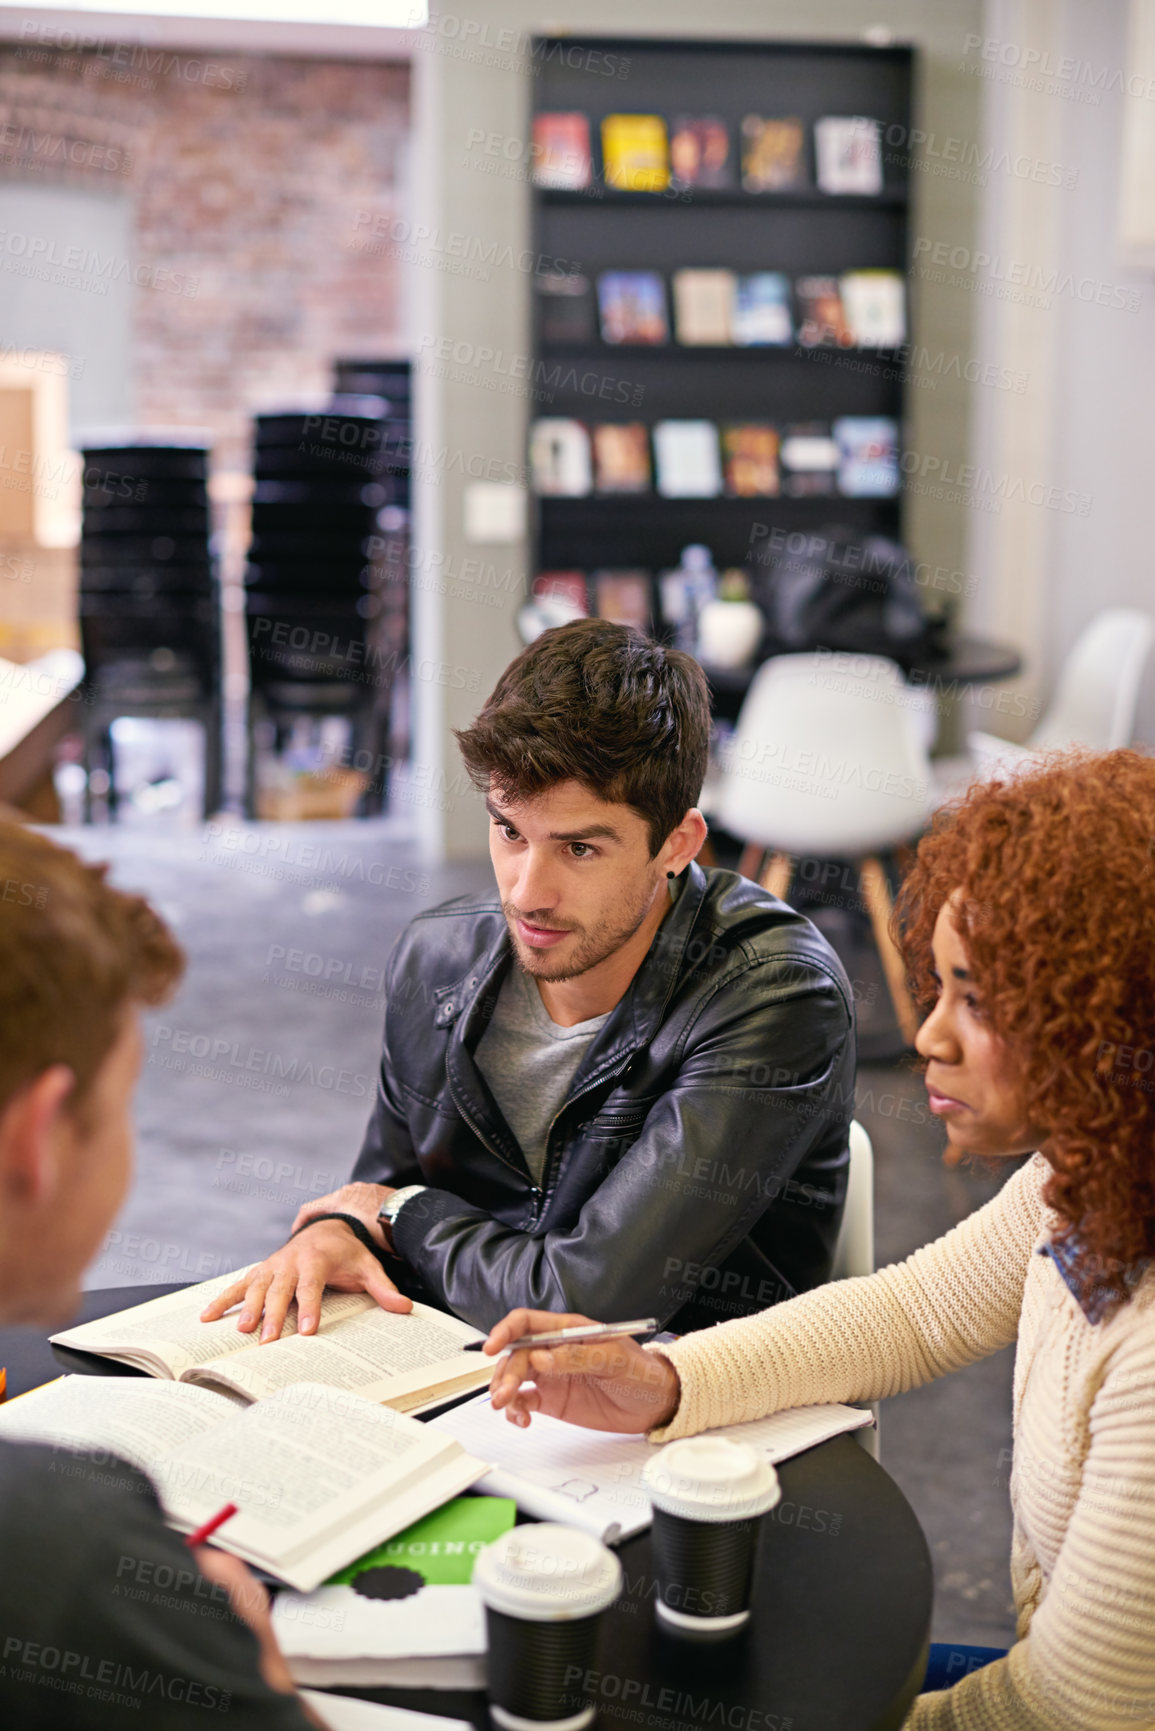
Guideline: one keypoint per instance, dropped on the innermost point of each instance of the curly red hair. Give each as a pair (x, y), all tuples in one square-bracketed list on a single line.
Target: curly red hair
[(1055, 874)]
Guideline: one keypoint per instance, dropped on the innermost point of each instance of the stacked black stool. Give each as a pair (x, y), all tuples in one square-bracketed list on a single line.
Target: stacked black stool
[(315, 583), (149, 600)]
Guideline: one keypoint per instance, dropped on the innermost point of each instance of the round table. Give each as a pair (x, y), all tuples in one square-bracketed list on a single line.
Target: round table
[(969, 660), (842, 1602)]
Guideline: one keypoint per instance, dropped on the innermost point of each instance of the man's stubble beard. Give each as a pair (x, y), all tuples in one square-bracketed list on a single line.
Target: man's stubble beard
[(595, 947)]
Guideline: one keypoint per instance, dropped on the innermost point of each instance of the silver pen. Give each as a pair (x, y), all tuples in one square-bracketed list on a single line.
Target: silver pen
[(576, 1335)]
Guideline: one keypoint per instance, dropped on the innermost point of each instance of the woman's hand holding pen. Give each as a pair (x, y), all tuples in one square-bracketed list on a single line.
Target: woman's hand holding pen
[(604, 1385)]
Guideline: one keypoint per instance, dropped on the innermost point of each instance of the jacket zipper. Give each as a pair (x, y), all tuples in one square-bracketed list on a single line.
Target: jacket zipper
[(541, 1194)]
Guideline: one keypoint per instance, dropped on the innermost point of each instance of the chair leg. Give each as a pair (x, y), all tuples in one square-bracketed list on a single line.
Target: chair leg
[(776, 878), (876, 894), (750, 863)]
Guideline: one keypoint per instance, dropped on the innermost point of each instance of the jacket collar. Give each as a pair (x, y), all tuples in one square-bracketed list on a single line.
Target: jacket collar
[(637, 1016)]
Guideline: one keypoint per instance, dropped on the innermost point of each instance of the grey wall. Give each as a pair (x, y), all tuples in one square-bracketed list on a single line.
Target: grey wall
[(59, 291), (1104, 435), (474, 76)]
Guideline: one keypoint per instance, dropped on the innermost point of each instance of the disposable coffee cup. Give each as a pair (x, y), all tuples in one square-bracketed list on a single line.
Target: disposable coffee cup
[(544, 1588), (709, 1495)]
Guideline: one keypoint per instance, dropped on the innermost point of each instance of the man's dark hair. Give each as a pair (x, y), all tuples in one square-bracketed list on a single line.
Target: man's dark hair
[(603, 705)]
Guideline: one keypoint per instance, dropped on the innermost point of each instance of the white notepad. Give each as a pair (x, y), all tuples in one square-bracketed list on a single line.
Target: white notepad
[(593, 1478), (346, 1713)]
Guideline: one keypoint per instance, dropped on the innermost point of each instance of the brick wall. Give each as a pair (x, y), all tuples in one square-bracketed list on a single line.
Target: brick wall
[(252, 179)]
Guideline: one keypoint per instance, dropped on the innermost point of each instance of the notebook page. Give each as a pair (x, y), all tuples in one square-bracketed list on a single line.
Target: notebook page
[(593, 1479), (346, 1713)]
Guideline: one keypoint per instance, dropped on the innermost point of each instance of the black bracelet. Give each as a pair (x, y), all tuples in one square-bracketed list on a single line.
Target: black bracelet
[(357, 1227)]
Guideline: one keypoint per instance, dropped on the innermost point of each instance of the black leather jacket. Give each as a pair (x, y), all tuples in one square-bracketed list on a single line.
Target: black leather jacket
[(697, 1169)]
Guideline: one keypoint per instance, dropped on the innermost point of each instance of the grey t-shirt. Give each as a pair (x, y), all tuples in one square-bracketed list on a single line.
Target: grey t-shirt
[(530, 1062)]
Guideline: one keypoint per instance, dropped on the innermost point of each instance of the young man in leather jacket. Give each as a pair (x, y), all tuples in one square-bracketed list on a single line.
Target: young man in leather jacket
[(620, 1084)]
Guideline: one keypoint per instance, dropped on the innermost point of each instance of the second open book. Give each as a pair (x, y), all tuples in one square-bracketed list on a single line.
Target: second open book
[(406, 1362), (305, 1435)]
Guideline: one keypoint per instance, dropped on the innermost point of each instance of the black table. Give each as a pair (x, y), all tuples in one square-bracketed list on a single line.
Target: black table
[(969, 660), (838, 1640)]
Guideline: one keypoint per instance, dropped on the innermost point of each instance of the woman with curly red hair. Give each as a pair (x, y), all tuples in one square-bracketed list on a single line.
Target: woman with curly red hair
[(1028, 928)]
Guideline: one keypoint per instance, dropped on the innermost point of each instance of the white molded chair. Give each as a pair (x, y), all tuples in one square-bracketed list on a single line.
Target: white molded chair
[(1095, 698), (854, 1249), (829, 760)]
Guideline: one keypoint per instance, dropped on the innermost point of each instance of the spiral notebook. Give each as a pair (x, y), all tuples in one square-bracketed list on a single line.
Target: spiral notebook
[(593, 1478)]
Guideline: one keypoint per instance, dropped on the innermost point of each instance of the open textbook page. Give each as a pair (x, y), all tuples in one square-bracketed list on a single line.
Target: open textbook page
[(593, 1478), (319, 1475), (401, 1361)]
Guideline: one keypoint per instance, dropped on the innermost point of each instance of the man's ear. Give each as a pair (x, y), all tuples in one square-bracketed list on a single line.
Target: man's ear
[(683, 843), (31, 1126)]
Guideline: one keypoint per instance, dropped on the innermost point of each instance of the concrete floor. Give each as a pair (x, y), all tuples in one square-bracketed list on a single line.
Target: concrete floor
[(259, 1079)]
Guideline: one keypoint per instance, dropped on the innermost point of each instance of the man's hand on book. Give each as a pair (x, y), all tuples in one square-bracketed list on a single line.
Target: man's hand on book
[(603, 1385), (328, 1254)]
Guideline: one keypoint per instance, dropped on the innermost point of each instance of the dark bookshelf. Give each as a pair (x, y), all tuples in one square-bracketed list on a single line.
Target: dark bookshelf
[(799, 232)]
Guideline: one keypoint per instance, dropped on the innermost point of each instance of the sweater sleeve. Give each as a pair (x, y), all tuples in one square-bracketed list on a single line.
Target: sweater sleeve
[(1087, 1662), (953, 1302)]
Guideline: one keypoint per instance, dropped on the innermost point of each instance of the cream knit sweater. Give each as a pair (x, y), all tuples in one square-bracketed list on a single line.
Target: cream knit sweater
[(1083, 1476)]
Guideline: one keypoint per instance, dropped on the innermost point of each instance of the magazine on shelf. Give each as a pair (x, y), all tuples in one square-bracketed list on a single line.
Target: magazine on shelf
[(566, 305), (762, 314), (567, 586), (874, 304), (687, 461), (704, 307), (632, 304), (773, 154), (635, 155), (867, 456), (848, 154), (750, 459), (822, 319), (700, 152), (559, 457), (624, 597), (561, 152), (621, 457), (809, 458)]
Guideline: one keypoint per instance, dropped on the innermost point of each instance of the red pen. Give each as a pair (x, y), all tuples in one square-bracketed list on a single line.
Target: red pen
[(210, 1526)]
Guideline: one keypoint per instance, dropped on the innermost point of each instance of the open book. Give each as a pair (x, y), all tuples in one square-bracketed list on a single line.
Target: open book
[(407, 1362), (319, 1474)]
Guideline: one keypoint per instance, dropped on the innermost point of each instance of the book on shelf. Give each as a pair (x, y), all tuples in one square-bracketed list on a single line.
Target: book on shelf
[(700, 152), (624, 597), (809, 459), (750, 460), (822, 319), (406, 1614), (867, 456), (773, 153), (569, 586), (560, 151), (874, 303), (632, 306), (635, 154), (762, 314), (566, 307), (686, 459), (848, 154), (559, 457), (703, 307), (621, 457)]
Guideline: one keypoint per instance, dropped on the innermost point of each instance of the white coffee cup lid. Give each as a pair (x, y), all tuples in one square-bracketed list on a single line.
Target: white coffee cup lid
[(547, 1573), (711, 1478)]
